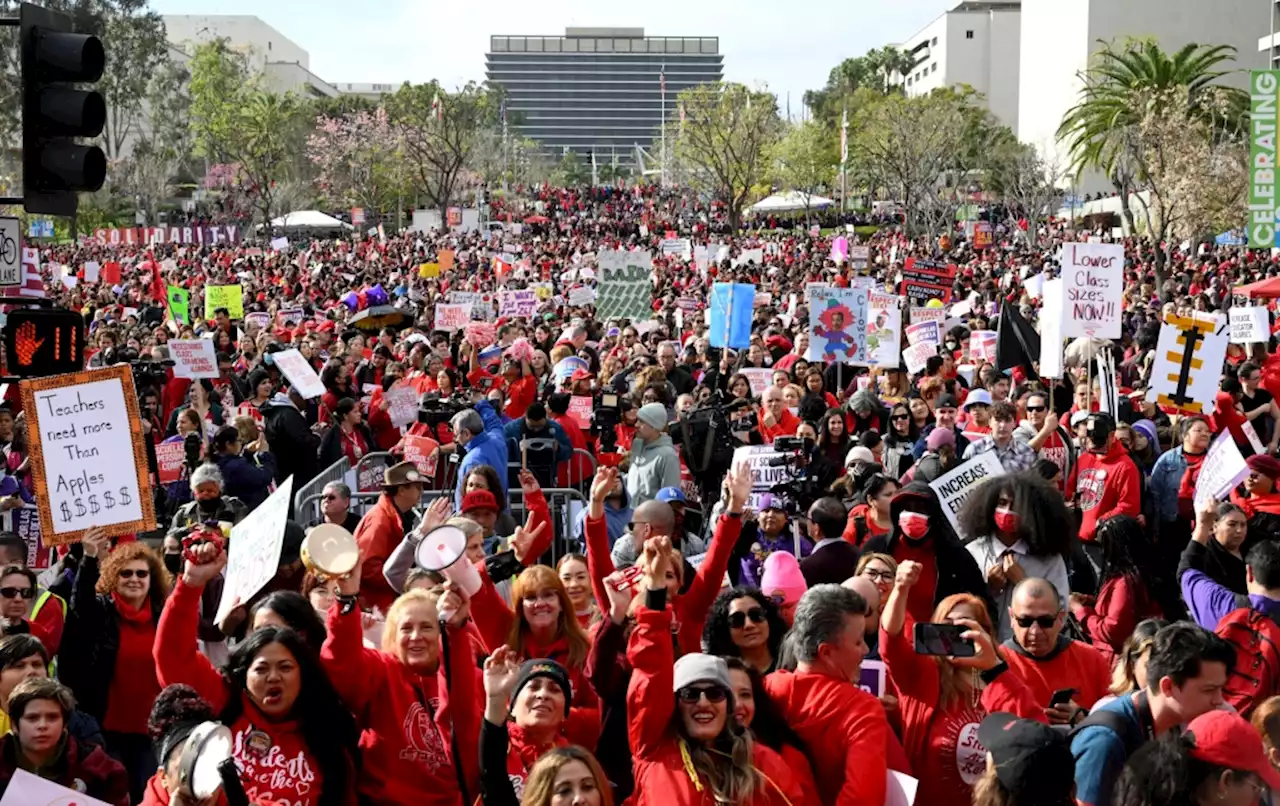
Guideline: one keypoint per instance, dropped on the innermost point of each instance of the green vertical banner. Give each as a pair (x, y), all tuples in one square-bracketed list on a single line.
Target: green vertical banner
[(1264, 92), (179, 301)]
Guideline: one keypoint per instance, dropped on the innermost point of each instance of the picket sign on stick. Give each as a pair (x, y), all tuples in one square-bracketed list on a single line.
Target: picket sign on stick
[(254, 552)]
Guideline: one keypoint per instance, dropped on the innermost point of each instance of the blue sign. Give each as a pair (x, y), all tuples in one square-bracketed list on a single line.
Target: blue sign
[(732, 307), (40, 228)]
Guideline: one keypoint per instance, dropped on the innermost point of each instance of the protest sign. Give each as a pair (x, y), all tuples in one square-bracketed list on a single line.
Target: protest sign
[(565, 368), (677, 247), (625, 284), (179, 303), (258, 319), (1251, 434), (28, 789), (280, 244), (193, 358), (982, 345), (859, 257), (746, 256), (954, 486), (230, 297), (580, 409), (839, 249), (445, 258), (451, 317), (838, 322), (1249, 325), (253, 554), (25, 523), (1181, 383), (300, 373), (473, 298), (981, 234), (138, 236), (924, 279), (924, 333), (517, 302), (170, 457), (422, 452), (871, 677), (1222, 469), (763, 476), (1093, 280), (759, 378), (1051, 331), (884, 330), (91, 269), (291, 317), (1034, 286), (428, 270), (582, 295), (402, 405), (730, 314), (917, 355), (89, 459)]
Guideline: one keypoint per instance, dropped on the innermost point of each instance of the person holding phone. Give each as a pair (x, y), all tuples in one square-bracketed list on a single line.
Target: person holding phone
[(944, 698)]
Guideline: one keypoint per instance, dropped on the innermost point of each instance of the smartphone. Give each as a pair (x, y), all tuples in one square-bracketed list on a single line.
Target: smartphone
[(1061, 697), (944, 639)]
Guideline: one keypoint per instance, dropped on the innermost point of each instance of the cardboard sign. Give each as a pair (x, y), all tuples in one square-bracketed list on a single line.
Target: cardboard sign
[(1222, 469), (193, 358), (1178, 385), (759, 378), (582, 296), (179, 300), (521, 302), (169, 459), (299, 373), (580, 409), (626, 285), (982, 345), (290, 318), (452, 317), (917, 355), (422, 452), (1249, 325), (923, 280), (1051, 331), (89, 454), (254, 550), (402, 405), (230, 297), (838, 322), (428, 270), (26, 789), (954, 487), (1093, 282)]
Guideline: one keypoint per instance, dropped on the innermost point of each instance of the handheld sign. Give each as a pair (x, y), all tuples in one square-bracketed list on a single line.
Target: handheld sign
[(254, 551), (402, 405), (954, 487), (26, 789), (1223, 468), (230, 297), (422, 452), (90, 465), (299, 372), (193, 358), (1093, 281)]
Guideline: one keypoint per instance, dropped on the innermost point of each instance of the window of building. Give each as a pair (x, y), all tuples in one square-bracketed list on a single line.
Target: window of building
[(933, 68), (908, 81), (708, 46), (553, 43), (604, 45), (934, 43), (535, 43), (622, 45), (587, 45), (968, 34), (517, 43), (500, 43), (570, 45)]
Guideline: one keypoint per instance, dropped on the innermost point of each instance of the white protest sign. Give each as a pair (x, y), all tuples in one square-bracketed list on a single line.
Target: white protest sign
[(924, 333), (300, 373), (759, 378), (582, 295), (1251, 434), (193, 358), (1223, 467), (755, 256), (1182, 383), (27, 789), (982, 345), (280, 244), (91, 269), (402, 405), (521, 302), (1051, 330), (1093, 281), (451, 316), (884, 328), (258, 319), (88, 464), (763, 476), (254, 551), (473, 298), (871, 677), (1250, 325), (954, 487), (1034, 286), (917, 355)]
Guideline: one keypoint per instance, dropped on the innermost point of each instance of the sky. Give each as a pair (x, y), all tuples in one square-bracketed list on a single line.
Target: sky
[(791, 46)]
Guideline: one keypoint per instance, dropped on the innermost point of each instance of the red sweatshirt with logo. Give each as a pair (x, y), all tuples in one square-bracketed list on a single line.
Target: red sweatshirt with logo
[(1108, 484)]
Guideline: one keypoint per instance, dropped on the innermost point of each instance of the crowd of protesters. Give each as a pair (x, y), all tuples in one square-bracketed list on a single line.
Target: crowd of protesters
[(1082, 631)]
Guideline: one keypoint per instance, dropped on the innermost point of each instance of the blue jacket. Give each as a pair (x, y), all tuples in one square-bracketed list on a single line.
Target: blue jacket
[(489, 448), (245, 479), (1166, 477), (516, 431)]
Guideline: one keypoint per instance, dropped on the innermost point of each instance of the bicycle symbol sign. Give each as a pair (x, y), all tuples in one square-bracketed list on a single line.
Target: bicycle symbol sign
[(10, 252)]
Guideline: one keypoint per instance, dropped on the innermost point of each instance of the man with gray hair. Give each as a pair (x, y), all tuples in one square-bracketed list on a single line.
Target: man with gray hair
[(843, 726), (479, 433), (335, 503), (209, 504)]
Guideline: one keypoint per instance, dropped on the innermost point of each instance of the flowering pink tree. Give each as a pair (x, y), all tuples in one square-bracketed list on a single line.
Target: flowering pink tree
[(357, 156)]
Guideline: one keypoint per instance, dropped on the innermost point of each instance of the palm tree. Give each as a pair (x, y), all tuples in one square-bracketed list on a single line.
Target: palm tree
[(1100, 130)]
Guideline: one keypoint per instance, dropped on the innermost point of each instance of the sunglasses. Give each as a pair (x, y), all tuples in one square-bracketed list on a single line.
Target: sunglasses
[(14, 593), (329, 497), (739, 620), (691, 695), (902, 416), (1045, 622), (1036, 408), (631, 526), (129, 573)]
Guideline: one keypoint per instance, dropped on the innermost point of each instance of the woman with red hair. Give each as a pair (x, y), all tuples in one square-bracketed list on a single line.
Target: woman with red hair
[(943, 699)]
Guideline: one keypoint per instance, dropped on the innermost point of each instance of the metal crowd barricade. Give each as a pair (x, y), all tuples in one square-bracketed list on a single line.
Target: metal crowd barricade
[(312, 489)]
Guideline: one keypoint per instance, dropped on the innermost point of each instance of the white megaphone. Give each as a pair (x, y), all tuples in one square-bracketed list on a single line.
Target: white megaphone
[(444, 550)]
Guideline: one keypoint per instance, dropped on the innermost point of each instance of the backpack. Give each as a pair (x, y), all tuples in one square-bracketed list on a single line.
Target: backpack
[(1256, 673), (1123, 727)]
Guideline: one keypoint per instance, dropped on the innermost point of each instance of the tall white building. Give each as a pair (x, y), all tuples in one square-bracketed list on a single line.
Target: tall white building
[(1059, 36), (286, 66), (975, 43)]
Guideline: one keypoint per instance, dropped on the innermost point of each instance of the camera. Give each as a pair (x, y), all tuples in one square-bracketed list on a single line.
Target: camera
[(801, 488), (789, 444), (434, 409), (706, 439), (606, 414), (191, 449)]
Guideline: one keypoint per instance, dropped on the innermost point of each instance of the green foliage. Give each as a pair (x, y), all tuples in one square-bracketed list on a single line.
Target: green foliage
[(870, 74), (806, 157), (440, 133), (571, 170)]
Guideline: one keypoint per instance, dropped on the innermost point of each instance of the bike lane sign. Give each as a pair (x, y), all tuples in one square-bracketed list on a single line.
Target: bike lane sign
[(10, 252)]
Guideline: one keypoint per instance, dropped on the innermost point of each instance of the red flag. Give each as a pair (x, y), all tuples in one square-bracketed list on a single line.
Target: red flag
[(111, 273), (158, 291)]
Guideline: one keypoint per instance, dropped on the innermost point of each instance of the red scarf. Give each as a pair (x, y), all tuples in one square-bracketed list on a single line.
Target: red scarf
[(133, 681)]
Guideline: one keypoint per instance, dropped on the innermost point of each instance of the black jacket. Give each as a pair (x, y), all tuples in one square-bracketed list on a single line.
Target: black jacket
[(831, 564), (331, 444), (90, 641), (295, 446), (957, 570)]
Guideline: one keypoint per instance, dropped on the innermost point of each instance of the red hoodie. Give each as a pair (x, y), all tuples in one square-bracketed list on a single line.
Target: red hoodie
[(1107, 484)]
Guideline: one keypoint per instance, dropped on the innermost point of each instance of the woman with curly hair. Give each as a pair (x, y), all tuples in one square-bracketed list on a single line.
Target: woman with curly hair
[(177, 712), (294, 740), (1019, 519), (744, 623), (106, 647), (1126, 593)]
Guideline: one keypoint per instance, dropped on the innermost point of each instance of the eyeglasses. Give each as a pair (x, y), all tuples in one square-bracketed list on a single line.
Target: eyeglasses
[(691, 695), (14, 593), (1036, 408), (631, 527), (739, 620), (130, 573), (878, 576), (902, 416), (330, 497), (1045, 622)]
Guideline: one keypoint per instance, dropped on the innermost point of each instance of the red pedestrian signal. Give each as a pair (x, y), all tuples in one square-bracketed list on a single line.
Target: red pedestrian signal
[(39, 342)]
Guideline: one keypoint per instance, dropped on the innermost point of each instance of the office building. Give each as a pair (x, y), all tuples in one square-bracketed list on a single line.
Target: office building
[(974, 44), (597, 89)]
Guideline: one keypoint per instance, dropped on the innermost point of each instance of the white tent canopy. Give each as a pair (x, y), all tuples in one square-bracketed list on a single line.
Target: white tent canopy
[(309, 219), (790, 202)]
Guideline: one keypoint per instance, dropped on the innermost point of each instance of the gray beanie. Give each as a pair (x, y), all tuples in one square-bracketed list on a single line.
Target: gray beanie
[(655, 414), (700, 668)]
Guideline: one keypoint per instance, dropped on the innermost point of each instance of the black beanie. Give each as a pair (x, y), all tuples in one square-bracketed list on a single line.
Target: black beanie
[(544, 667)]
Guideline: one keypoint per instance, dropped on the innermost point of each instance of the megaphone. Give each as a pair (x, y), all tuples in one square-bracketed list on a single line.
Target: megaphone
[(329, 551), (208, 746), (444, 550)]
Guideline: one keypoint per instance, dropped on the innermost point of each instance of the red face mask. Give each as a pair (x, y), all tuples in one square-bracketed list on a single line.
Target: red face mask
[(1006, 520), (913, 524)]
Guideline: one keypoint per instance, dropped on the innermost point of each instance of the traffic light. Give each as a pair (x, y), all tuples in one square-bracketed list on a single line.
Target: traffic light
[(55, 167), (43, 341)]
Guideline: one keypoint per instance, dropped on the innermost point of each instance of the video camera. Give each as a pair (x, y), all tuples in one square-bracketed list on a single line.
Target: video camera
[(434, 409), (606, 414), (801, 488), (706, 438)]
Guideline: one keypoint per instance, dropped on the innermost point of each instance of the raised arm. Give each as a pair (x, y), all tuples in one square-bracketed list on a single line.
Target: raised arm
[(354, 670), (596, 532), (401, 560), (706, 584), (176, 650), (916, 675), (500, 672), (650, 696)]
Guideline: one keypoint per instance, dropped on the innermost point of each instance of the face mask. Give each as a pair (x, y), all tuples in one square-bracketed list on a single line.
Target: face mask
[(913, 524), (1006, 520), (173, 562)]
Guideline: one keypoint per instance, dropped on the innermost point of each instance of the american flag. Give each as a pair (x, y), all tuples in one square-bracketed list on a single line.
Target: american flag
[(32, 282)]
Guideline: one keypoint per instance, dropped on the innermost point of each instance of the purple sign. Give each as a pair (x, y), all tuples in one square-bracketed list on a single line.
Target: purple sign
[(871, 677)]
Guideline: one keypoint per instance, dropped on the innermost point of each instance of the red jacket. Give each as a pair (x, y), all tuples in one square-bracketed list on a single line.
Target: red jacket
[(91, 771), (1107, 485), (786, 427), (287, 772), (519, 395), (1121, 603), (845, 730), (692, 607), (1258, 502), (379, 532), (1073, 664), (409, 719), (660, 773), (578, 469)]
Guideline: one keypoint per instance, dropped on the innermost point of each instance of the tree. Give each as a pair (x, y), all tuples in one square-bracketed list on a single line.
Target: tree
[(872, 72), (137, 49), (724, 144), (1027, 182), (439, 131), (358, 157), (571, 170), (805, 159), (163, 147)]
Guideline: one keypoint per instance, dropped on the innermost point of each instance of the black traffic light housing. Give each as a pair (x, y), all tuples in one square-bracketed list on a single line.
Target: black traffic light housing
[(43, 341), (55, 167)]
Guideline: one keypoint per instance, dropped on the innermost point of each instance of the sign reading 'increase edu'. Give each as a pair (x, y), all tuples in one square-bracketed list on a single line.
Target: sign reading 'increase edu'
[(1264, 92)]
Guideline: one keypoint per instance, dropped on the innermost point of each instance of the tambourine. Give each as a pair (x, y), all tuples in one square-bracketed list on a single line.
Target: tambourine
[(208, 746), (329, 551), (211, 532)]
